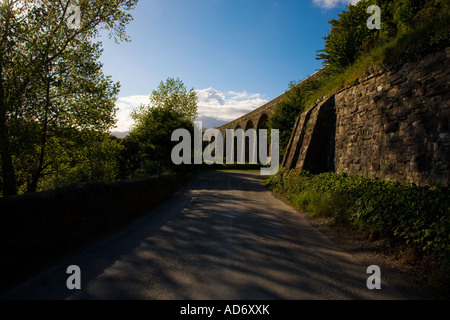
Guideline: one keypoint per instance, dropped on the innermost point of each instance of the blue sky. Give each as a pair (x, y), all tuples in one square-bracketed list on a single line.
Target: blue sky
[(237, 54)]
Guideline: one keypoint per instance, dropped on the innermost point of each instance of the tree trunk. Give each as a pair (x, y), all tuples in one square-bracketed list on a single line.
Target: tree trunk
[(37, 174), (8, 172)]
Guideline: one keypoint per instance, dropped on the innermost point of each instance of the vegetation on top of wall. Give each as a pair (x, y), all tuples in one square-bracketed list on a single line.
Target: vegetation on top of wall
[(418, 216), (410, 29), (289, 108)]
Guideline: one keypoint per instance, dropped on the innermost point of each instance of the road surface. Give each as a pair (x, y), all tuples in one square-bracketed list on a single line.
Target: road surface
[(222, 237)]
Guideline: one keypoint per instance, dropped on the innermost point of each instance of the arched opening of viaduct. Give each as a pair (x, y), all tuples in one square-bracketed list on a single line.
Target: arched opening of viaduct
[(257, 122)]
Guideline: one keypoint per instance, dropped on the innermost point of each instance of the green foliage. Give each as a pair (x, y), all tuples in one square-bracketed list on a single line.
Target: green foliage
[(85, 156), (148, 148), (349, 37), (51, 80), (72, 156), (174, 96), (285, 114), (287, 111), (410, 29), (420, 216)]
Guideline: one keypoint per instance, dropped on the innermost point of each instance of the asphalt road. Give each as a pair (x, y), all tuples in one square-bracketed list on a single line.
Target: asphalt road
[(224, 236)]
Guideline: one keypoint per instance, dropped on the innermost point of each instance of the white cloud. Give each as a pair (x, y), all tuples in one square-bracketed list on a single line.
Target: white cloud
[(328, 4), (126, 105), (214, 107), (243, 95), (227, 106)]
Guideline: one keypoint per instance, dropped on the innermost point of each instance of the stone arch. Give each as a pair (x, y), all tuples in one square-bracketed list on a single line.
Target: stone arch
[(262, 122)]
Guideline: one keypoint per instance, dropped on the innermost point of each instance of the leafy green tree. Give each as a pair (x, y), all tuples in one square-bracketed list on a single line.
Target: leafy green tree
[(348, 37), (404, 14), (50, 76), (81, 156), (74, 94), (172, 95), (410, 14), (148, 148)]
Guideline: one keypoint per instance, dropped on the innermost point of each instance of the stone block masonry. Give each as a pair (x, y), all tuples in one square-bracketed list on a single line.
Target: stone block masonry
[(393, 125), (312, 142)]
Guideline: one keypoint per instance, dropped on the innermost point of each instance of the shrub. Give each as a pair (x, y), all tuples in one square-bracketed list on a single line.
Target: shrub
[(420, 216)]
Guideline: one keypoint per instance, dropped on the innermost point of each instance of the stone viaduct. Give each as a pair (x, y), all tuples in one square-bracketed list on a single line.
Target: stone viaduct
[(256, 119)]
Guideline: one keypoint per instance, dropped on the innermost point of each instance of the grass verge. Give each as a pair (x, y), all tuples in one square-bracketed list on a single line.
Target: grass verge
[(417, 216)]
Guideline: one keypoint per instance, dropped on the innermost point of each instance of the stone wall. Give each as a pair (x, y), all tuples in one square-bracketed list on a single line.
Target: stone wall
[(392, 125), (38, 228)]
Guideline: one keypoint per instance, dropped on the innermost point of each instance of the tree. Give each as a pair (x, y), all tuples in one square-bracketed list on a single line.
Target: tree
[(9, 27), (80, 156), (348, 38), (148, 148), (171, 95), (49, 73), (73, 94)]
